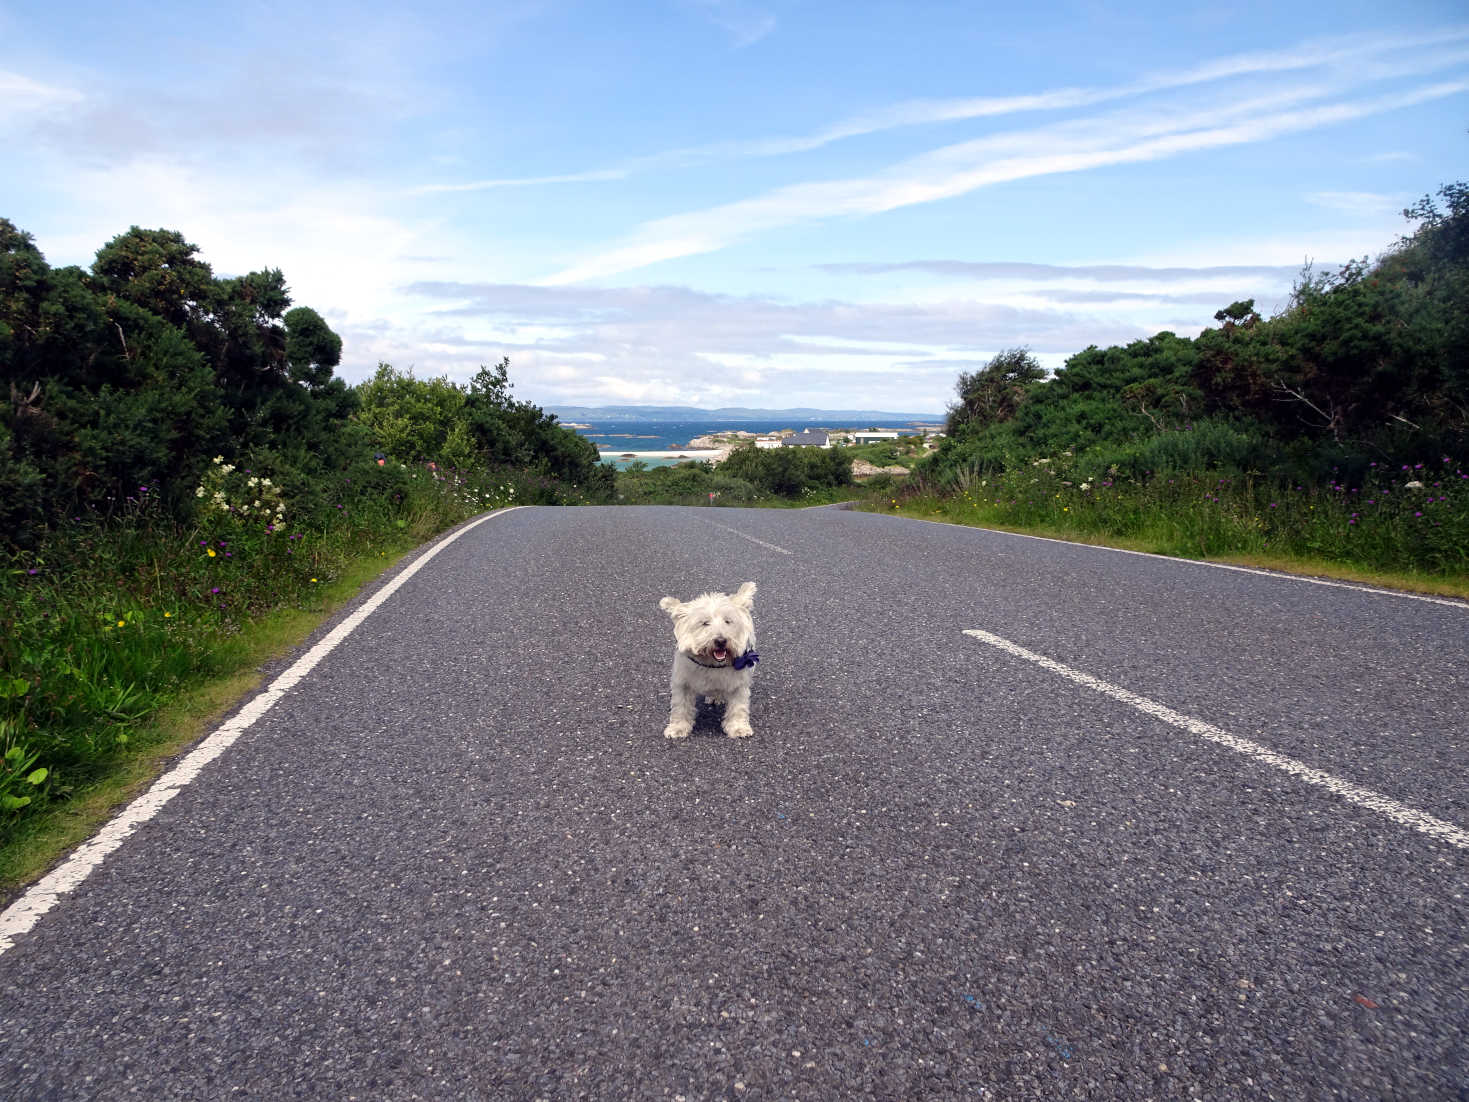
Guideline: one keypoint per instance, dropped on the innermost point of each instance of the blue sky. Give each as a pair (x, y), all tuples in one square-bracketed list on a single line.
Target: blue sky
[(715, 202)]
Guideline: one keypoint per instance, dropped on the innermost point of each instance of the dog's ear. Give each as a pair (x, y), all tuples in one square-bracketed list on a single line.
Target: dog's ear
[(745, 596), (672, 605)]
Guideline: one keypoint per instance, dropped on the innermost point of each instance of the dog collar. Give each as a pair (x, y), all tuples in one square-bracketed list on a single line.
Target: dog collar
[(749, 658)]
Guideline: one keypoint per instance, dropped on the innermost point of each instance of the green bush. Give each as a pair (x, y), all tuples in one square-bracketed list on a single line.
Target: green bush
[(786, 472), (690, 483)]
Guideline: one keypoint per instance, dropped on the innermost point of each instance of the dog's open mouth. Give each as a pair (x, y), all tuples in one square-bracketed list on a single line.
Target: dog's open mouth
[(719, 652)]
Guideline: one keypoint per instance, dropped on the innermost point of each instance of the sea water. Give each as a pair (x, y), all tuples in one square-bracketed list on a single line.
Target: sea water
[(616, 438)]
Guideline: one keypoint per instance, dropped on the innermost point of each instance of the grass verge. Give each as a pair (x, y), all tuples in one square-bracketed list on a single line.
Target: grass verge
[(38, 841), (947, 511)]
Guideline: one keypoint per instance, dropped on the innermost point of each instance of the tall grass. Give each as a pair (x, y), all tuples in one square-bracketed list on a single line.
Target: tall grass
[(114, 616), (1406, 518)]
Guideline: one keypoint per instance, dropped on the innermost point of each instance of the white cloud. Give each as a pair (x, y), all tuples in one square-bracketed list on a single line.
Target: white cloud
[(744, 23), (1073, 146), (1363, 204), (523, 181), (686, 345), (1371, 57), (20, 96)]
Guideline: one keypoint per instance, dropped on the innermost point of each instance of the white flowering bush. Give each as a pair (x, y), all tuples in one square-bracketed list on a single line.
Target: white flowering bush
[(228, 492)]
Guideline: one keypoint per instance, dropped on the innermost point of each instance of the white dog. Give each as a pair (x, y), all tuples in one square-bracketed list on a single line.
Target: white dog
[(714, 655)]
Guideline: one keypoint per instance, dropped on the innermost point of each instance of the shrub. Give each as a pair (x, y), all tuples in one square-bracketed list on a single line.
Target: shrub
[(788, 471)]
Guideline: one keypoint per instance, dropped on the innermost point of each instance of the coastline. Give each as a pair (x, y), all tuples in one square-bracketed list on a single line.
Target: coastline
[(621, 459), (686, 453)]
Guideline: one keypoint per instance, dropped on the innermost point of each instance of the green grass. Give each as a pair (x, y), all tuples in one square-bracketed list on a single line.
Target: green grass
[(121, 636), (36, 841), (1384, 531)]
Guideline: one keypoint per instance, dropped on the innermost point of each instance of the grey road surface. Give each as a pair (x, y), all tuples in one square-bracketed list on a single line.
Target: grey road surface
[(458, 861)]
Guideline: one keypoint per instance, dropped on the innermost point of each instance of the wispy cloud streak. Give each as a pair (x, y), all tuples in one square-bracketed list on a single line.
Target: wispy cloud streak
[(1371, 57), (1074, 146)]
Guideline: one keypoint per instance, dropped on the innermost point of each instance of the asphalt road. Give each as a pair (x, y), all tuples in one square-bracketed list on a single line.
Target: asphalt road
[(458, 860)]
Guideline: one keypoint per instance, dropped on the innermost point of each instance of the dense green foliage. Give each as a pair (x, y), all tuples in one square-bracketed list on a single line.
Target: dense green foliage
[(475, 426), (141, 370), (689, 483), (1368, 364), (1330, 430), (789, 471)]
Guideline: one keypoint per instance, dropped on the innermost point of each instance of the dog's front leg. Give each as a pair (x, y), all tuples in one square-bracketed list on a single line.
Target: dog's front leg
[(681, 715), (737, 712)]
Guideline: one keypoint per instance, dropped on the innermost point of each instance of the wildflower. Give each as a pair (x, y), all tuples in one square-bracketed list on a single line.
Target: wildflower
[(168, 615), (122, 623), (1414, 485), (1086, 485), (313, 579), (211, 552), (214, 590)]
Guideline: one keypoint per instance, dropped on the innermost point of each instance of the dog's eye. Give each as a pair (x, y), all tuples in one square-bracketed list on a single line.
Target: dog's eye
[(705, 624)]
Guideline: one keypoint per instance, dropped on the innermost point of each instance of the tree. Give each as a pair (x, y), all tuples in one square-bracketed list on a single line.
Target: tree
[(159, 271), (312, 349), (995, 392), (412, 419)]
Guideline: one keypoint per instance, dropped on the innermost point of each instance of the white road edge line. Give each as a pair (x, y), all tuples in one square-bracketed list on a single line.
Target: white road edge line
[(752, 539), (1462, 606), (26, 911), (1400, 813)]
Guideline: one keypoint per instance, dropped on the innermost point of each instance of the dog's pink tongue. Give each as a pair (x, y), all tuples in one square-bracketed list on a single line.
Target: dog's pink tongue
[(720, 654)]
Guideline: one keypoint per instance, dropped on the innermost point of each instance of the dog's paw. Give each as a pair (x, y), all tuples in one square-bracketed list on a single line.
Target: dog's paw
[(738, 729), (677, 730)]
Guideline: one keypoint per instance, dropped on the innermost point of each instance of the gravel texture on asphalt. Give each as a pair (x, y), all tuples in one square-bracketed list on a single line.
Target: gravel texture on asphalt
[(459, 861)]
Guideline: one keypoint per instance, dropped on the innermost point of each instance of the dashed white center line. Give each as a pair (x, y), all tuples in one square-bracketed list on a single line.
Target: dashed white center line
[(26, 911), (1400, 813), (752, 539)]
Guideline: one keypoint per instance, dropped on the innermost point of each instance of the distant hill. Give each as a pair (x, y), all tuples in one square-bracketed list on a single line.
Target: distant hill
[(604, 414)]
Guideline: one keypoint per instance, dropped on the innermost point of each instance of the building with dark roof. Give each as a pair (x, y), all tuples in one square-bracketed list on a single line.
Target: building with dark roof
[(807, 439)]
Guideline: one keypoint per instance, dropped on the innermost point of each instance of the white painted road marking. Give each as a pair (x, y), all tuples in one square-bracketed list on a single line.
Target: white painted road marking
[(1400, 813), (752, 539), (1462, 606), (26, 911)]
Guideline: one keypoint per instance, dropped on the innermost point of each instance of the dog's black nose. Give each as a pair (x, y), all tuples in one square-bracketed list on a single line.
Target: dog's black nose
[(720, 643)]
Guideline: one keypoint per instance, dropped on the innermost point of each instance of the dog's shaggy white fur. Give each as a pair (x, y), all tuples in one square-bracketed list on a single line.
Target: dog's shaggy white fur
[(710, 633)]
